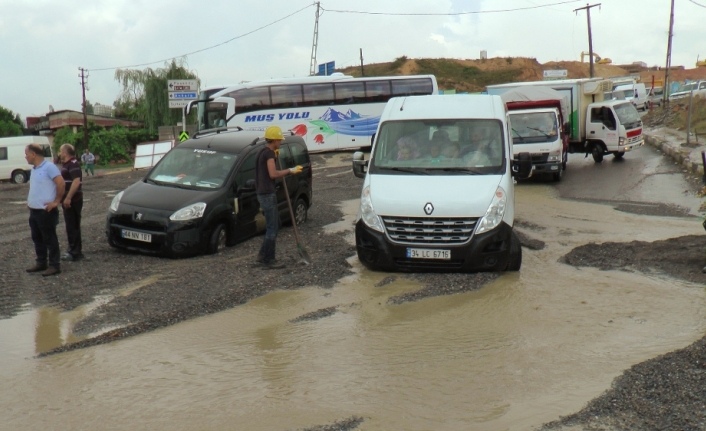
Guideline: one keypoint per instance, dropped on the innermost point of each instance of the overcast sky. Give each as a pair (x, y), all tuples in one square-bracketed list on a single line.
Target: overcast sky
[(43, 42)]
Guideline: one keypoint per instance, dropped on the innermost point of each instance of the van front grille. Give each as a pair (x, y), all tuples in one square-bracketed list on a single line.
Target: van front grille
[(427, 230)]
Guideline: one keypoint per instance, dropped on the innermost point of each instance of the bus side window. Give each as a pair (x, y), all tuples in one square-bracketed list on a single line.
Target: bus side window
[(286, 96), (377, 91), (318, 94), (411, 87), (251, 99), (349, 92)]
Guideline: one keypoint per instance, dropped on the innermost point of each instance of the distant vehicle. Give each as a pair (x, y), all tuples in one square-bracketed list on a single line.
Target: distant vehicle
[(539, 119), (200, 197), (329, 112), (597, 127), (13, 165), (635, 93), (454, 211), (684, 90), (655, 96)]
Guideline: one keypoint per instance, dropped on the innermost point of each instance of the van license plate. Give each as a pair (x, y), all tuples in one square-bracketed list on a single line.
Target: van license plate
[(137, 236), (423, 253)]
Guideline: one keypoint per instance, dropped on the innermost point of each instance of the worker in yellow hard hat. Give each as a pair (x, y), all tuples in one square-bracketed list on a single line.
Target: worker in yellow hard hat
[(265, 174)]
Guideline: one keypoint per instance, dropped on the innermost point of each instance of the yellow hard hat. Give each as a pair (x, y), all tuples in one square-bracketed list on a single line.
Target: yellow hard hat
[(274, 133)]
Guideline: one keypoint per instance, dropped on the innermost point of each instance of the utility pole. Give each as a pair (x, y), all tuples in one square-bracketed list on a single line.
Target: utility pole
[(83, 76), (362, 69), (314, 45), (590, 39), (665, 96)]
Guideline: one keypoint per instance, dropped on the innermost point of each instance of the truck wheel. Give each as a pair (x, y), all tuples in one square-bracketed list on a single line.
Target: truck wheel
[(514, 260), (558, 176), (619, 154), (19, 177), (597, 153), (217, 242)]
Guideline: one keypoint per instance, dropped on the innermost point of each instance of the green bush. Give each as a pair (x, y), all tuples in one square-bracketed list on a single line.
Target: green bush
[(109, 145)]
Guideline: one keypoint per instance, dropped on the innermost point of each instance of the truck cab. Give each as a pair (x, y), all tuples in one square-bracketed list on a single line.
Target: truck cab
[(612, 127)]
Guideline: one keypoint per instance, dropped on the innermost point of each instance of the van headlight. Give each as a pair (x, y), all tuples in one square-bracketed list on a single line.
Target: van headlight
[(191, 212), (116, 202), (495, 213), (367, 213)]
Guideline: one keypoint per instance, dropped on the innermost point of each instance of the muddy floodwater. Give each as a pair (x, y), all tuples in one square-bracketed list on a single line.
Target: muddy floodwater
[(524, 350)]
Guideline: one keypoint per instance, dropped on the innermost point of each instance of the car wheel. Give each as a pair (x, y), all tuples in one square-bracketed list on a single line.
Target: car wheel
[(514, 261), (300, 211), (19, 177), (597, 153), (619, 155), (217, 243)]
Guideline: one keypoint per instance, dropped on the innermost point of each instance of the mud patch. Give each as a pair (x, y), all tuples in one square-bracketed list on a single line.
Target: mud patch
[(385, 281), (681, 257), (316, 315), (343, 425), (528, 225), (529, 242), (444, 284)]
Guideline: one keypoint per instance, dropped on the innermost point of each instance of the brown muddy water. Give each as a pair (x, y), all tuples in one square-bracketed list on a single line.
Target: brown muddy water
[(524, 350)]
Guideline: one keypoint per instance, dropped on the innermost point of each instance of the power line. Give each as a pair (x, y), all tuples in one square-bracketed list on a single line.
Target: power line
[(697, 4), (204, 49), (450, 14)]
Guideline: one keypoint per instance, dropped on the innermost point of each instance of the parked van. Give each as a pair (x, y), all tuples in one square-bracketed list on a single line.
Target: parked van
[(201, 197), (439, 192), (635, 93), (13, 165), (655, 96)]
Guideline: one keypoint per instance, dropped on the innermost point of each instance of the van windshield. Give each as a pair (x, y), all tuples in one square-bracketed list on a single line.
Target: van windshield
[(193, 168), (439, 147)]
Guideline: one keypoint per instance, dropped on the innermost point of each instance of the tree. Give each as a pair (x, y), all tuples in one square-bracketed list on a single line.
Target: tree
[(10, 123), (145, 96)]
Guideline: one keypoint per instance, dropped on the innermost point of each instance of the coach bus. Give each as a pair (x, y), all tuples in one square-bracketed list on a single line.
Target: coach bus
[(329, 112)]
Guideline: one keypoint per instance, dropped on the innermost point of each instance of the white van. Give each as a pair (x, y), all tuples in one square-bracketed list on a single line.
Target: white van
[(13, 165), (439, 192), (635, 93)]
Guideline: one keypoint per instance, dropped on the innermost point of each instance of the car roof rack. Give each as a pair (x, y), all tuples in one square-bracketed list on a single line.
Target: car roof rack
[(216, 130)]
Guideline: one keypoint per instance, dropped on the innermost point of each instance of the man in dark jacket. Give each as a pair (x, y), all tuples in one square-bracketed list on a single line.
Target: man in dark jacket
[(72, 201)]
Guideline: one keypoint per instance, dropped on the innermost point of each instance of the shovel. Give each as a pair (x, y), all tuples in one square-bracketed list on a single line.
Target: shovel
[(300, 247)]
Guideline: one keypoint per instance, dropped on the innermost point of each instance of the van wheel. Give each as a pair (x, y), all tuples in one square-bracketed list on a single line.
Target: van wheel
[(217, 243), (19, 177), (619, 154), (597, 153), (514, 260), (300, 211)]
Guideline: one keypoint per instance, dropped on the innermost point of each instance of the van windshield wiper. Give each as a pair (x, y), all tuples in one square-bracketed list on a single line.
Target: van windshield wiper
[(468, 171), (409, 170)]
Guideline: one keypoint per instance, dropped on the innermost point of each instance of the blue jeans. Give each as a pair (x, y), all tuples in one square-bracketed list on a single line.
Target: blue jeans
[(268, 203), (46, 244)]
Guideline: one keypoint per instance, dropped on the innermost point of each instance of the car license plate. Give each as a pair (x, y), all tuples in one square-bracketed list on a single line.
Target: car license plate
[(423, 253), (137, 236)]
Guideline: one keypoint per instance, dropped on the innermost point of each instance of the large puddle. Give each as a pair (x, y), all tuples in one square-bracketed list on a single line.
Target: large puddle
[(520, 352)]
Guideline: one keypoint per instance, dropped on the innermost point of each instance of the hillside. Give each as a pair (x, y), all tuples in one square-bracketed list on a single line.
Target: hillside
[(475, 75)]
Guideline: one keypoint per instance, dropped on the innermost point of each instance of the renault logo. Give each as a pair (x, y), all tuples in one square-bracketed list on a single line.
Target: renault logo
[(138, 216), (428, 208)]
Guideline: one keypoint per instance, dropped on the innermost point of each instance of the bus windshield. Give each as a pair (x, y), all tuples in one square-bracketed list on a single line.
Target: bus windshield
[(440, 147)]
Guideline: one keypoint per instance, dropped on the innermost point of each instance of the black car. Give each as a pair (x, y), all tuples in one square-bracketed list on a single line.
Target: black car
[(200, 197)]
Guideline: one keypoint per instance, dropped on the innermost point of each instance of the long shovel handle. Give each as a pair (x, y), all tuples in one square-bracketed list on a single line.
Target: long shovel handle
[(300, 248)]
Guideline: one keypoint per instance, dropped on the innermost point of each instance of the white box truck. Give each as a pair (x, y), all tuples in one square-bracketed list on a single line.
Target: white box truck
[(596, 126), (434, 197), (539, 126), (13, 165)]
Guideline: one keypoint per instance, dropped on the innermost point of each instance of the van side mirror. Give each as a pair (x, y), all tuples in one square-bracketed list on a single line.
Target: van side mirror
[(522, 166), (360, 165), (249, 186)]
